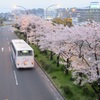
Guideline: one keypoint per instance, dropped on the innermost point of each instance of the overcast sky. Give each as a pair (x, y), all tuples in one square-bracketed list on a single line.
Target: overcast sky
[(6, 5)]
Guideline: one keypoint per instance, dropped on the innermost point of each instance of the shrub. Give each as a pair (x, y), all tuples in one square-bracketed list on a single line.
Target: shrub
[(54, 77), (61, 87), (16, 31), (87, 92), (72, 79), (52, 69), (42, 62), (67, 90), (46, 66), (62, 68), (54, 62), (35, 55)]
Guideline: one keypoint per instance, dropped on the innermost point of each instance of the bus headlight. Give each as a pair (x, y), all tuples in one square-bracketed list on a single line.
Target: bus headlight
[(25, 63), (32, 63), (18, 63)]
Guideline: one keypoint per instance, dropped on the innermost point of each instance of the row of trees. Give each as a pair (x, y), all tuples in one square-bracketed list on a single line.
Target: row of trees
[(79, 45)]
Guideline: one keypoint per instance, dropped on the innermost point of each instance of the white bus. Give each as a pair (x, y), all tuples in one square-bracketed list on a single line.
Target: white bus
[(22, 53)]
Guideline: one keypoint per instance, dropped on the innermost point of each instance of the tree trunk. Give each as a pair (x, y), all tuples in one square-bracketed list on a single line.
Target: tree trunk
[(99, 89), (96, 91), (80, 74), (51, 55), (67, 66), (95, 56), (25, 35), (80, 82), (58, 60), (80, 55), (45, 52), (99, 95), (66, 71)]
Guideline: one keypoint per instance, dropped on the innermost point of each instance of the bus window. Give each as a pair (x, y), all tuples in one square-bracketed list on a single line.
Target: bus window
[(25, 53)]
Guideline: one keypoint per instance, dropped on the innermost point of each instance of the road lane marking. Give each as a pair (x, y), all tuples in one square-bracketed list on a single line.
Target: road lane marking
[(2, 49), (15, 78), (9, 49)]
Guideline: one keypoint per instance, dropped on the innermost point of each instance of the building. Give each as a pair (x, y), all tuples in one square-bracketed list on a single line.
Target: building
[(94, 5), (92, 12), (89, 13)]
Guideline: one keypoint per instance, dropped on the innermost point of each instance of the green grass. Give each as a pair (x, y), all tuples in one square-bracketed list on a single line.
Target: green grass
[(62, 82)]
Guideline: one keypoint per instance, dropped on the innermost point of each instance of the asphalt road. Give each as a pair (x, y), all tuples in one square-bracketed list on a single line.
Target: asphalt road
[(27, 84)]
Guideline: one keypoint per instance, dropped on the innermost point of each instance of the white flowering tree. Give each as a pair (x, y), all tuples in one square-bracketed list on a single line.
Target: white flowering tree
[(78, 44), (88, 49), (85, 55)]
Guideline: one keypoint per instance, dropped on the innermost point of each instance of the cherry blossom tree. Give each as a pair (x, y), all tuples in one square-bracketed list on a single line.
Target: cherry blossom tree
[(85, 55), (78, 44)]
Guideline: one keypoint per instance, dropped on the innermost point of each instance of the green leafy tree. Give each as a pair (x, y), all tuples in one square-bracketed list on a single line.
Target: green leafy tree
[(65, 21)]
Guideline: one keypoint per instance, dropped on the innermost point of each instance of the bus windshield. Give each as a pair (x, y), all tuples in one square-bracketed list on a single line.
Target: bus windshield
[(25, 53)]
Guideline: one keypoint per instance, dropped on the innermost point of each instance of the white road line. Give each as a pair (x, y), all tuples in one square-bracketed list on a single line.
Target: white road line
[(2, 49), (5, 99), (9, 49), (15, 78)]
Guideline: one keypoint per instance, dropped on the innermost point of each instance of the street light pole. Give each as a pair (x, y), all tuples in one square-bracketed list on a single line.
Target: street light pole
[(26, 14), (48, 8), (22, 8)]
